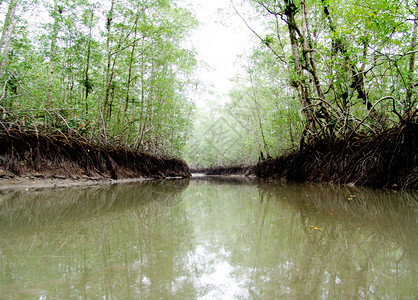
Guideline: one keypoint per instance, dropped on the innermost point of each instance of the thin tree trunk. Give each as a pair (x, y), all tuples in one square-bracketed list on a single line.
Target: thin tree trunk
[(87, 83), (86, 73), (142, 113), (257, 111), (108, 67), (52, 54), (411, 66), (6, 37), (150, 126), (67, 77), (111, 91), (129, 80), (128, 87), (130, 70)]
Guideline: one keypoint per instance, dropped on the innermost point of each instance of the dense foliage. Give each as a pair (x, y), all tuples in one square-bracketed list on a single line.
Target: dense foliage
[(114, 71), (119, 72), (322, 70)]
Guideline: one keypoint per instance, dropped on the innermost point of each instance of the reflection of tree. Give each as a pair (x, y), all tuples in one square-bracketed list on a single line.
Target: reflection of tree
[(90, 241), (353, 240), (260, 218), (312, 242), (162, 237), (159, 240), (37, 209), (313, 260)]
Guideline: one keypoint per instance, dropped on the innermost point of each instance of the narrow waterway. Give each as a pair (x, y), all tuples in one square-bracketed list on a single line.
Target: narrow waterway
[(208, 238)]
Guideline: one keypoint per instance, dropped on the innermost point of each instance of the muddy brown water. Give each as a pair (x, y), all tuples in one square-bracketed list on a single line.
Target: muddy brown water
[(208, 238)]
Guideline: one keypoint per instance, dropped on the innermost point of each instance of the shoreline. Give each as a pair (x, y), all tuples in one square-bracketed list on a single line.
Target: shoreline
[(37, 181), (31, 182), (32, 159), (388, 160)]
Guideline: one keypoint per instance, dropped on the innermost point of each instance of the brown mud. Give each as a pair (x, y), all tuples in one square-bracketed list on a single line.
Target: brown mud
[(386, 160), (232, 170), (35, 159), (29, 157)]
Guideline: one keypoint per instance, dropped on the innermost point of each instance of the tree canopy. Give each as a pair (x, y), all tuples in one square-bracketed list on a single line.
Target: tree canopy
[(324, 70), (119, 72), (114, 71)]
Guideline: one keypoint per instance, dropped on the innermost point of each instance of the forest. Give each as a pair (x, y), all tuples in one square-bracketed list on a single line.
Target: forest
[(322, 70), (111, 71), (322, 75)]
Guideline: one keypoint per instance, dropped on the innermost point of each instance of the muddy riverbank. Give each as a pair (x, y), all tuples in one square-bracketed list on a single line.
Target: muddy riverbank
[(34, 159), (386, 160), (228, 170), (29, 157)]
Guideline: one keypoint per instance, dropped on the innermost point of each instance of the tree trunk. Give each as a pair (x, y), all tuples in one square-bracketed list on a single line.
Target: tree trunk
[(108, 67), (257, 111), (299, 82), (308, 50), (87, 84), (130, 71), (151, 103), (411, 67), (56, 13), (6, 37), (142, 113), (322, 116)]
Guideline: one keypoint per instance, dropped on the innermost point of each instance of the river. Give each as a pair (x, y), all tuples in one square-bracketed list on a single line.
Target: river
[(208, 238)]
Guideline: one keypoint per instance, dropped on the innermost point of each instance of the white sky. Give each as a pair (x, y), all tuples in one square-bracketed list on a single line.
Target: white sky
[(220, 38)]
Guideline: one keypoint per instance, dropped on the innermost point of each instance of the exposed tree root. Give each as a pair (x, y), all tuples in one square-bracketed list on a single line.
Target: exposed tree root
[(55, 154), (232, 170), (387, 160)]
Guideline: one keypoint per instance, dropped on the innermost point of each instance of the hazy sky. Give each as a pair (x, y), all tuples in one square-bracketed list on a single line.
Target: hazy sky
[(220, 38)]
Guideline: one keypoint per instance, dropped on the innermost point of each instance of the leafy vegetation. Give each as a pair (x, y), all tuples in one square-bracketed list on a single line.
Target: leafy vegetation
[(115, 72), (323, 71), (119, 72)]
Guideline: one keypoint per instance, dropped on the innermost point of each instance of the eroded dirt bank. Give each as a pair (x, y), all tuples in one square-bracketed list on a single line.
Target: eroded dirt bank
[(231, 170), (34, 159), (387, 160), (58, 159)]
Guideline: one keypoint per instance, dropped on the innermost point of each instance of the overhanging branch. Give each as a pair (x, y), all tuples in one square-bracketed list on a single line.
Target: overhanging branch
[(257, 35)]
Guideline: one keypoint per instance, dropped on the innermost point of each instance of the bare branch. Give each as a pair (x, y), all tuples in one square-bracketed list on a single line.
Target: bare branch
[(370, 111), (258, 36)]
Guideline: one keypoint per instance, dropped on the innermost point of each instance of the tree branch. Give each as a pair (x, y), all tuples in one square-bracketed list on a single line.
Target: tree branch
[(258, 36)]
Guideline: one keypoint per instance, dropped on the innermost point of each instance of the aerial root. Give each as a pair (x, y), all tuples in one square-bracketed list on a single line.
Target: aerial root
[(29, 151), (388, 159)]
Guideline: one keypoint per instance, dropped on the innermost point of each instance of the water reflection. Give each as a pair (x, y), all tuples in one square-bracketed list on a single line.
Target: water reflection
[(203, 239), (352, 242), (43, 207)]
